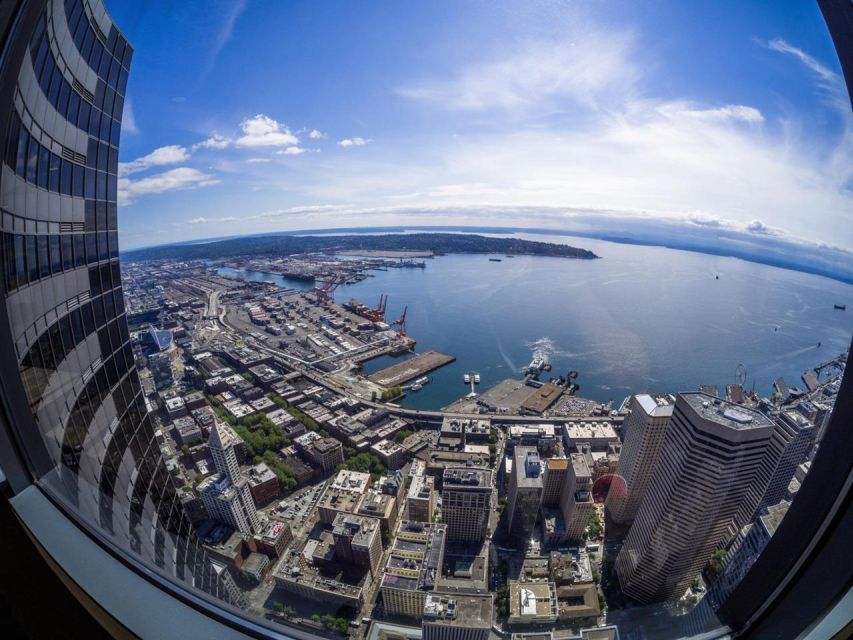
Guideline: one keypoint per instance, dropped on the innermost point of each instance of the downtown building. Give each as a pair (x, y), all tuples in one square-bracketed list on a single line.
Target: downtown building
[(466, 500), (793, 438), (457, 617), (70, 388), (525, 492), (413, 567), (713, 469), (227, 495), (576, 503), (643, 436)]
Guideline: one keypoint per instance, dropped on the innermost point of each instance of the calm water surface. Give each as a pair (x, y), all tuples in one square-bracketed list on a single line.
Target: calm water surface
[(642, 318)]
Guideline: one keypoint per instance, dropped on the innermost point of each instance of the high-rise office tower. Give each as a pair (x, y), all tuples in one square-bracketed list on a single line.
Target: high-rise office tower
[(466, 501), (576, 502), (713, 469), (554, 480), (70, 388), (793, 437), (525, 492), (643, 435), (226, 494)]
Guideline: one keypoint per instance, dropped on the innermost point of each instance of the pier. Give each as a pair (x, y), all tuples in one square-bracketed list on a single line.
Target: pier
[(403, 372)]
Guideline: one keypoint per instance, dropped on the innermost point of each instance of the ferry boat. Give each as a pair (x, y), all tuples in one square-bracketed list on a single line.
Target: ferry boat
[(466, 379), (476, 378), (536, 364), (841, 307)]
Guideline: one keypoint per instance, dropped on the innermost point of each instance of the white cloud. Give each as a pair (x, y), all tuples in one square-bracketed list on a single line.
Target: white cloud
[(171, 154), (315, 134), (730, 112), (258, 160), (588, 68), (263, 131), (203, 220), (128, 120), (213, 142), (353, 142), (176, 179), (291, 151)]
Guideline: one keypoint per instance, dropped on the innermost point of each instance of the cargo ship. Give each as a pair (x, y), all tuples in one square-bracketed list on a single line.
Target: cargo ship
[(841, 307)]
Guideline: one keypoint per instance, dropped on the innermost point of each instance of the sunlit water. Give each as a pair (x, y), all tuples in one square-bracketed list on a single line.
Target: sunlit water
[(642, 318)]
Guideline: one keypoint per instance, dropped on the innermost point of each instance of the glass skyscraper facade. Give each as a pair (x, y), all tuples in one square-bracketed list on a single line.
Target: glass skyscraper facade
[(70, 388)]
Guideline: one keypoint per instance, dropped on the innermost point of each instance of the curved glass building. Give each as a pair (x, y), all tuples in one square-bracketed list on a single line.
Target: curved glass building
[(70, 390)]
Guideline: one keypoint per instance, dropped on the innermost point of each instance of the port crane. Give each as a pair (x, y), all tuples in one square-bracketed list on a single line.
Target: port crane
[(400, 322), (378, 314), (325, 290)]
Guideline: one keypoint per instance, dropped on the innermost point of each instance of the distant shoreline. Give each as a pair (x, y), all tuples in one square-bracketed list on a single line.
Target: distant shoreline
[(789, 260), (353, 244)]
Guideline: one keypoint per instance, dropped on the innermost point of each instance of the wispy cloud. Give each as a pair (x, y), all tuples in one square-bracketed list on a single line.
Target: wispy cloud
[(224, 35), (203, 220), (353, 142), (591, 68), (171, 154), (291, 151), (316, 134), (172, 180), (128, 120), (263, 131)]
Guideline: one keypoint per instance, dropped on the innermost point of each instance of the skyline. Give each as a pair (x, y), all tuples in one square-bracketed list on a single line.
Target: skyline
[(279, 118)]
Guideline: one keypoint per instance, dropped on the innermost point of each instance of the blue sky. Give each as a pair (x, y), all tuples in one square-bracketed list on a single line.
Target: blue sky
[(253, 116)]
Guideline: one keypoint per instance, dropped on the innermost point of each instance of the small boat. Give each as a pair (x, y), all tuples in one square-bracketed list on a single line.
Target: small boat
[(422, 381), (716, 277), (509, 256), (840, 307), (466, 379), (494, 259), (476, 378), (416, 387)]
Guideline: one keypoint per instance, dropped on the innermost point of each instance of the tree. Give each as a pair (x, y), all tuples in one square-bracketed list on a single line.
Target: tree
[(716, 561), (390, 394), (185, 449), (402, 435), (502, 601), (595, 528)]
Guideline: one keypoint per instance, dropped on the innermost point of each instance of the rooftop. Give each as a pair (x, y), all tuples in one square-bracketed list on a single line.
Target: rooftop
[(658, 405), (459, 610), (725, 413), (467, 478)]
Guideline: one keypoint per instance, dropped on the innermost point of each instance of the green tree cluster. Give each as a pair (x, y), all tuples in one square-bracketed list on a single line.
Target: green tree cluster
[(363, 462), (264, 435), (502, 601), (286, 480), (390, 394), (402, 435), (595, 526), (331, 622)]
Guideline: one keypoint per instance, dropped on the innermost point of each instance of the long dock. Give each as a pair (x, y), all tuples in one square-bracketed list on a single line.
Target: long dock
[(403, 372)]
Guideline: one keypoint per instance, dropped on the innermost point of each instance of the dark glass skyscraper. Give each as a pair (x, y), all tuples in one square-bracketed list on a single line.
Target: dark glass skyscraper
[(69, 386)]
